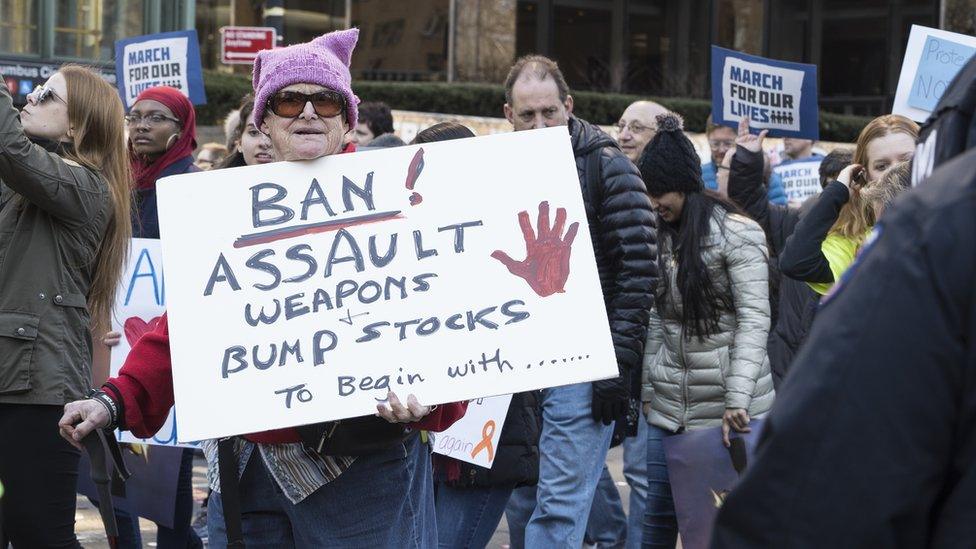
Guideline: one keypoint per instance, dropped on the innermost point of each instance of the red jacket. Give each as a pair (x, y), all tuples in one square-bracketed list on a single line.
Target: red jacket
[(144, 388)]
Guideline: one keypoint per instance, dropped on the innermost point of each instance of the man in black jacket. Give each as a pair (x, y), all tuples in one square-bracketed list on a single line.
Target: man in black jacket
[(578, 419), (873, 443), (793, 302)]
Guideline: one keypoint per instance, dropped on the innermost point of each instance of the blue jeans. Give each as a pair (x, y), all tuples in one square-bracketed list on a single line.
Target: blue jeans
[(573, 450), (383, 500), (517, 515), (607, 524), (467, 517), (660, 522), (635, 472)]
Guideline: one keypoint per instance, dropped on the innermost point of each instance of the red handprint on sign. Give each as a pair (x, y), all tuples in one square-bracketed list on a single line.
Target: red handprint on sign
[(546, 263)]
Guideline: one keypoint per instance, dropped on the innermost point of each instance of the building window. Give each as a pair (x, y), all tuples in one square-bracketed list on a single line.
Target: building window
[(88, 29), (211, 15), (585, 63), (526, 27), (401, 40), (306, 20), (648, 44), (18, 27)]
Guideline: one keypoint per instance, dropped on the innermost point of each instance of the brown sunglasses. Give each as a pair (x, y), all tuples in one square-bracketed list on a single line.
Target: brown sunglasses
[(288, 104)]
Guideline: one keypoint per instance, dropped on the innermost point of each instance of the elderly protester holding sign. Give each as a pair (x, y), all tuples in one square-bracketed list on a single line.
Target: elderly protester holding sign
[(363, 482)]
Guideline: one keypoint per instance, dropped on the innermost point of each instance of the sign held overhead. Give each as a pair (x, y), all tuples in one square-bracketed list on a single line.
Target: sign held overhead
[(778, 96)]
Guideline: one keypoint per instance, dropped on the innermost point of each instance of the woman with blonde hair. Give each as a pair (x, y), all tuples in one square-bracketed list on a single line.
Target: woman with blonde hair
[(827, 239), (64, 221)]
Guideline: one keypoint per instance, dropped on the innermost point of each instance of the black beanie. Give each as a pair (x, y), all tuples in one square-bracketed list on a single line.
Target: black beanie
[(669, 162)]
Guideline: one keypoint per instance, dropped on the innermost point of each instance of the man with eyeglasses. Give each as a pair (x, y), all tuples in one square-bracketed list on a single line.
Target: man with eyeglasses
[(578, 419), (720, 140), (607, 525), (637, 127)]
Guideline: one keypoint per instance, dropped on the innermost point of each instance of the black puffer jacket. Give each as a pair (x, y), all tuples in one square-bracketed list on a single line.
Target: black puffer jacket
[(793, 302), (517, 460), (624, 234)]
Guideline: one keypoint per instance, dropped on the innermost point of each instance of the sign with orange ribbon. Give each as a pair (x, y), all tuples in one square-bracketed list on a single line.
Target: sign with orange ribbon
[(474, 438)]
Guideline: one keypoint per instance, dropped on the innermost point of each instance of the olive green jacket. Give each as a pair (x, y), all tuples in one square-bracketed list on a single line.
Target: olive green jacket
[(53, 215)]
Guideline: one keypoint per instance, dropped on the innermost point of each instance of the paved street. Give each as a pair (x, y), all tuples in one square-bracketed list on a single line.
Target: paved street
[(91, 534)]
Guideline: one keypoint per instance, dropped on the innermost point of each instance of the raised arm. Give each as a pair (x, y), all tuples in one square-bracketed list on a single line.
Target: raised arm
[(63, 188)]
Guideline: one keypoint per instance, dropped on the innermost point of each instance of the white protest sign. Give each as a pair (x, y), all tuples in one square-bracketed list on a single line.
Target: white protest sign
[(474, 437), (139, 302), (801, 179), (302, 292), (933, 57)]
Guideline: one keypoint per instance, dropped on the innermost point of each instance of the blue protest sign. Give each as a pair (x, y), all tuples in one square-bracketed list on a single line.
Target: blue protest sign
[(941, 60), (164, 59), (778, 96)]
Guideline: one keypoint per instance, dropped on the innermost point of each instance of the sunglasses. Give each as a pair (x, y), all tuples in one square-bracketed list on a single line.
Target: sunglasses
[(42, 93), (289, 104)]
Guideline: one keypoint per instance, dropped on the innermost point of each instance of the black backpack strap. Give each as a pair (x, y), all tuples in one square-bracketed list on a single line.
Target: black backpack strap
[(95, 444), (230, 494)]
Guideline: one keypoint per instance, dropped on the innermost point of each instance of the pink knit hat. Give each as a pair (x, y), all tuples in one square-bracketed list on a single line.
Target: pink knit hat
[(323, 61)]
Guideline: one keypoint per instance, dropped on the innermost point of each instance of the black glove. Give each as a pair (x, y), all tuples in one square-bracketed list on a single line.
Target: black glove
[(611, 398)]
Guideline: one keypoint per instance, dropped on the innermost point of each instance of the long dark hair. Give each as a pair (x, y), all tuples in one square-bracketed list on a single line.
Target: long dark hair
[(702, 302)]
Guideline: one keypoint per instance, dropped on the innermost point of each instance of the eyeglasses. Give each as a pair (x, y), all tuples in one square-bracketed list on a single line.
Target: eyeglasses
[(634, 127), (288, 104), (151, 119), (42, 93), (716, 144)]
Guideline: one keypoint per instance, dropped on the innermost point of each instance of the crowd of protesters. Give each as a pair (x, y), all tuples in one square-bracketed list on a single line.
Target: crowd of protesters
[(711, 276)]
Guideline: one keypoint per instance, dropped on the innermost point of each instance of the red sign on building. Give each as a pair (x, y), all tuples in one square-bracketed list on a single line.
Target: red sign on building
[(240, 45)]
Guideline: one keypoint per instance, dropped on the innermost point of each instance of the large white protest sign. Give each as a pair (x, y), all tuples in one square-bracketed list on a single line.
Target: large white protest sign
[(474, 437), (302, 292), (933, 57), (139, 302), (800, 179)]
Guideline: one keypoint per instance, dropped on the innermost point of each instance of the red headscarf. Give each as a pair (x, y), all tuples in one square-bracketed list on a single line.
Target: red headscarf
[(146, 172)]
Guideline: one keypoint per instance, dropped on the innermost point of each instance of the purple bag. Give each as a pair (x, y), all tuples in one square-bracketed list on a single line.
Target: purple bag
[(703, 471)]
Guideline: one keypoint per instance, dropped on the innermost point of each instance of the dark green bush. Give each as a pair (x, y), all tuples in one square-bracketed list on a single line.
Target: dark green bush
[(224, 92)]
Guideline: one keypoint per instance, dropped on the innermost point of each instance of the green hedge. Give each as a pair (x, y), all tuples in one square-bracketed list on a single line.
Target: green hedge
[(224, 92)]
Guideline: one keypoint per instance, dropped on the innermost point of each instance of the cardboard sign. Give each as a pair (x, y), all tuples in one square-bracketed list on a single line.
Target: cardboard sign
[(240, 45), (301, 292), (139, 302), (775, 95), (702, 472), (166, 59), (933, 57), (800, 179), (474, 437)]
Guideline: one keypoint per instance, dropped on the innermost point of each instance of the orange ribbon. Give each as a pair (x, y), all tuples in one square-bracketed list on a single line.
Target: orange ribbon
[(486, 433)]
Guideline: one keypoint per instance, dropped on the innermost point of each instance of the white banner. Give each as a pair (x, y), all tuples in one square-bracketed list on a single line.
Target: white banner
[(933, 57), (303, 292), (139, 302), (474, 437), (801, 179)]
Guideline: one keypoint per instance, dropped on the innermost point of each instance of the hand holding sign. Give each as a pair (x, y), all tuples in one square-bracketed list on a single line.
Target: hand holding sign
[(748, 141), (546, 263)]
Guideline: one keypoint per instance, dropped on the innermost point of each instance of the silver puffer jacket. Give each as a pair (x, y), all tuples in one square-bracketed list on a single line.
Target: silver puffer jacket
[(691, 382)]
